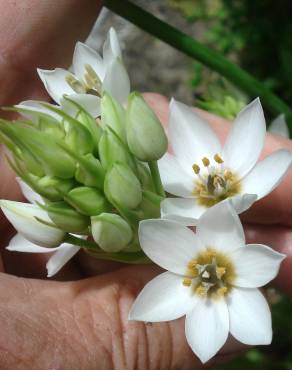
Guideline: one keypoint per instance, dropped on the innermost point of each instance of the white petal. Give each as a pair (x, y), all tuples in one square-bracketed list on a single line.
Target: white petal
[(207, 328), (61, 257), (90, 103), (111, 47), (28, 193), (255, 265), (191, 137), (220, 228), (35, 106), (55, 82), (19, 244), (184, 211), (23, 217), (169, 244), (242, 202), (250, 316), (246, 139), (174, 178), (84, 55), (164, 298), (116, 81), (279, 126), (267, 174)]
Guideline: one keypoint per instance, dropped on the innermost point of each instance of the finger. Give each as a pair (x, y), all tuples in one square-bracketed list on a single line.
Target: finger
[(277, 206)]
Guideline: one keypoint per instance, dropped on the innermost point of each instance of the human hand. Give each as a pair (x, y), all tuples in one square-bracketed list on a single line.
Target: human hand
[(83, 323)]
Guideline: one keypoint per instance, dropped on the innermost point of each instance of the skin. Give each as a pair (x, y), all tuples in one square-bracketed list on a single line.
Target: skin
[(79, 322)]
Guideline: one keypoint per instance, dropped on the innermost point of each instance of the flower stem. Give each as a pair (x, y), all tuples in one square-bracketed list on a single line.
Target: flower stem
[(211, 58), (156, 178)]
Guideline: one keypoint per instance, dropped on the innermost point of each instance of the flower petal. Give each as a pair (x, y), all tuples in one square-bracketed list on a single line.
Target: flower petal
[(55, 82), (116, 81), (169, 244), (90, 103), (164, 298), (267, 174), (84, 55), (207, 328), (111, 47), (23, 218), (184, 211), (255, 265), (279, 126), (36, 106), (19, 244), (28, 193), (250, 316), (246, 139), (191, 137), (242, 202), (220, 228), (174, 178), (60, 258)]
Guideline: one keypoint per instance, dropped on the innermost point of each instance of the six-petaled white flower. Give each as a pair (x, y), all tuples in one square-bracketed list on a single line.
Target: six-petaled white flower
[(34, 236), (91, 76), (202, 173), (212, 278)]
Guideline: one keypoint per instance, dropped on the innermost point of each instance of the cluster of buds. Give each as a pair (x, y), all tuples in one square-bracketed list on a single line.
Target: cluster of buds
[(92, 174)]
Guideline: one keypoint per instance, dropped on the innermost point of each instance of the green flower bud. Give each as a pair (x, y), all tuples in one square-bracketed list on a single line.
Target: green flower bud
[(150, 205), (52, 188), (89, 171), (113, 115), (145, 176), (112, 149), (92, 125), (88, 201), (145, 135), (66, 218), (111, 232), (122, 187)]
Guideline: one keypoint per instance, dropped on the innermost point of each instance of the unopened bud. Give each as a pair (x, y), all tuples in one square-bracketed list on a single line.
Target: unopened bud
[(145, 135), (89, 171), (122, 187), (66, 218), (111, 232), (113, 115), (88, 201)]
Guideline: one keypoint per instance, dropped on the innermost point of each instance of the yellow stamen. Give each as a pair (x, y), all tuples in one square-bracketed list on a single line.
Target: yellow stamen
[(222, 291), (218, 159), (220, 271), (228, 175), (196, 168), (200, 290), (187, 282), (75, 84), (205, 161), (192, 265)]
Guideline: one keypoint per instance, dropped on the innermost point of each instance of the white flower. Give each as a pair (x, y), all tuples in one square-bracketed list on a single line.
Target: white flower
[(203, 173), (91, 75), (34, 236), (279, 126), (212, 278)]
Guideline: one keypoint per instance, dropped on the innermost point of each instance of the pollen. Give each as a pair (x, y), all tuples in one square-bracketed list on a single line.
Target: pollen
[(187, 282), (221, 291), (196, 169), (201, 291), (220, 271), (218, 159), (205, 161)]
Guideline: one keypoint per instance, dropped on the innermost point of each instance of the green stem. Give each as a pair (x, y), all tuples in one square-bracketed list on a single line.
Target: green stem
[(156, 178), (202, 53)]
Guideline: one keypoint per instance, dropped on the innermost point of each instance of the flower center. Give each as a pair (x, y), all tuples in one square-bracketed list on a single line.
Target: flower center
[(91, 83), (211, 274), (216, 183)]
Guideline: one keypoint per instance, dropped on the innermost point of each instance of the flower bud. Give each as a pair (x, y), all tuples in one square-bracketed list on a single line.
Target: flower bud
[(112, 149), (145, 135), (52, 188), (122, 187), (66, 218), (111, 232), (145, 177), (89, 171), (24, 217), (113, 115), (88, 201)]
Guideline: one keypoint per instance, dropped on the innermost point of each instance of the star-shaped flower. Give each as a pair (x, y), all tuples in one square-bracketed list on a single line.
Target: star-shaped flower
[(202, 173), (91, 76), (212, 278)]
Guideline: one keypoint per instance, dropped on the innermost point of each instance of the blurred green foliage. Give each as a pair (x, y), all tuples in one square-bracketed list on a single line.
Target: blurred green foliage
[(254, 34)]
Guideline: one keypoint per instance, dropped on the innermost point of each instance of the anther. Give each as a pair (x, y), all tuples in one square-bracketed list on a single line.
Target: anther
[(200, 290), (218, 159), (222, 291), (196, 168), (187, 282), (192, 265), (228, 175), (205, 161), (220, 271), (76, 85)]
